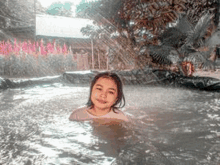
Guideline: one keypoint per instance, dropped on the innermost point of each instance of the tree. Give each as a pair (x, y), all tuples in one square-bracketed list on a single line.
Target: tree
[(17, 13), (142, 22), (152, 14), (60, 9)]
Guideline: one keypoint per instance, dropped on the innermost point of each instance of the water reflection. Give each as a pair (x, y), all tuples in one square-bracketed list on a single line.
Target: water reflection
[(169, 126)]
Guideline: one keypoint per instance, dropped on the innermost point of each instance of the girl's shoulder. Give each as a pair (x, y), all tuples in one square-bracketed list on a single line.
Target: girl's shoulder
[(116, 110), (80, 109), (79, 114)]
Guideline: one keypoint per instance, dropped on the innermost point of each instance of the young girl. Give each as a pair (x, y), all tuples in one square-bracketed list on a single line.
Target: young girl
[(105, 94)]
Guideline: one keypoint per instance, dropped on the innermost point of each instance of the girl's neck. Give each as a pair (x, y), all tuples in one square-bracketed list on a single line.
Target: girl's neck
[(99, 112)]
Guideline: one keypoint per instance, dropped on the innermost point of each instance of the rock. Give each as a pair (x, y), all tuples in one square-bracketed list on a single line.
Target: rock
[(6, 83), (3, 84), (79, 77)]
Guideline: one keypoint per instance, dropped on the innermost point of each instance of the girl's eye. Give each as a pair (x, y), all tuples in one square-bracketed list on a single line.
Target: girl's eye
[(99, 89), (111, 92)]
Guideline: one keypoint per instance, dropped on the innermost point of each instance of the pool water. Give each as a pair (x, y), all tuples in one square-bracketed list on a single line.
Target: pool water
[(168, 126)]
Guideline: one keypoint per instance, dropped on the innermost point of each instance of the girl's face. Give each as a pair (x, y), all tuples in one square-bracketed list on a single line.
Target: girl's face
[(104, 93)]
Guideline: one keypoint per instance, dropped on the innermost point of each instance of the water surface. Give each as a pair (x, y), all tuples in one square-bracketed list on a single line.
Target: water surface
[(169, 126)]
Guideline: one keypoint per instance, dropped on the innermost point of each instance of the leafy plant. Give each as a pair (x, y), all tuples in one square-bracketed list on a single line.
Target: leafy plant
[(146, 25)]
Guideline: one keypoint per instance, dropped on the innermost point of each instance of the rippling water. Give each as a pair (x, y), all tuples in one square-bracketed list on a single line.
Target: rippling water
[(169, 126)]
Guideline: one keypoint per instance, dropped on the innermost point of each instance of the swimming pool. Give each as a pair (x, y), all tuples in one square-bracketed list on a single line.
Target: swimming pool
[(169, 126)]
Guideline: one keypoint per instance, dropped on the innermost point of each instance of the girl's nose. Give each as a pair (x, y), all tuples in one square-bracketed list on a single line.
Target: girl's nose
[(103, 94)]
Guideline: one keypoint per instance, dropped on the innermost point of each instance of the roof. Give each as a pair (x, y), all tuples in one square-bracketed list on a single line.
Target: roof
[(58, 26)]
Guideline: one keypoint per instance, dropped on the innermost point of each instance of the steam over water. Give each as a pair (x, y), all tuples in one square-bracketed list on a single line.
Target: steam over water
[(169, 126)]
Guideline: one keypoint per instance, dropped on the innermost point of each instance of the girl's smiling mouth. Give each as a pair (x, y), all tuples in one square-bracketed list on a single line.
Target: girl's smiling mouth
[(102, 101)]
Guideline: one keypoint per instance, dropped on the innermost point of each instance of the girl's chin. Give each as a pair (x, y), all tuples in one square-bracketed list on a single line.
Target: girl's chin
[(102, 107)]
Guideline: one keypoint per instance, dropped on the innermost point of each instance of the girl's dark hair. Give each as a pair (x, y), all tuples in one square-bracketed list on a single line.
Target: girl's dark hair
[(117, 80)]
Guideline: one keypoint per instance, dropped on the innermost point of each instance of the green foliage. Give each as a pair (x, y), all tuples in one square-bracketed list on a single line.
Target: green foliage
[(31, 66), (82, 7), (17, 13), (135, 20), (152, 15), (60, 9), (200, 28)]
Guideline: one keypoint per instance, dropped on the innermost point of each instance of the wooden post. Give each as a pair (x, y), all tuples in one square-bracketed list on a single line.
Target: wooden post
[(107, 61), (99, 60), (35, 23), (92, 54)]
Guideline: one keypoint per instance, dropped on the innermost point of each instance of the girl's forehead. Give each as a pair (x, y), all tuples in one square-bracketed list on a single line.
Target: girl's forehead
[(109, 82)]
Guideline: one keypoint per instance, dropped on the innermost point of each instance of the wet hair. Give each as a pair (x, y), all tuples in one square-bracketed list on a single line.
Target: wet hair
[(113, 76)]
